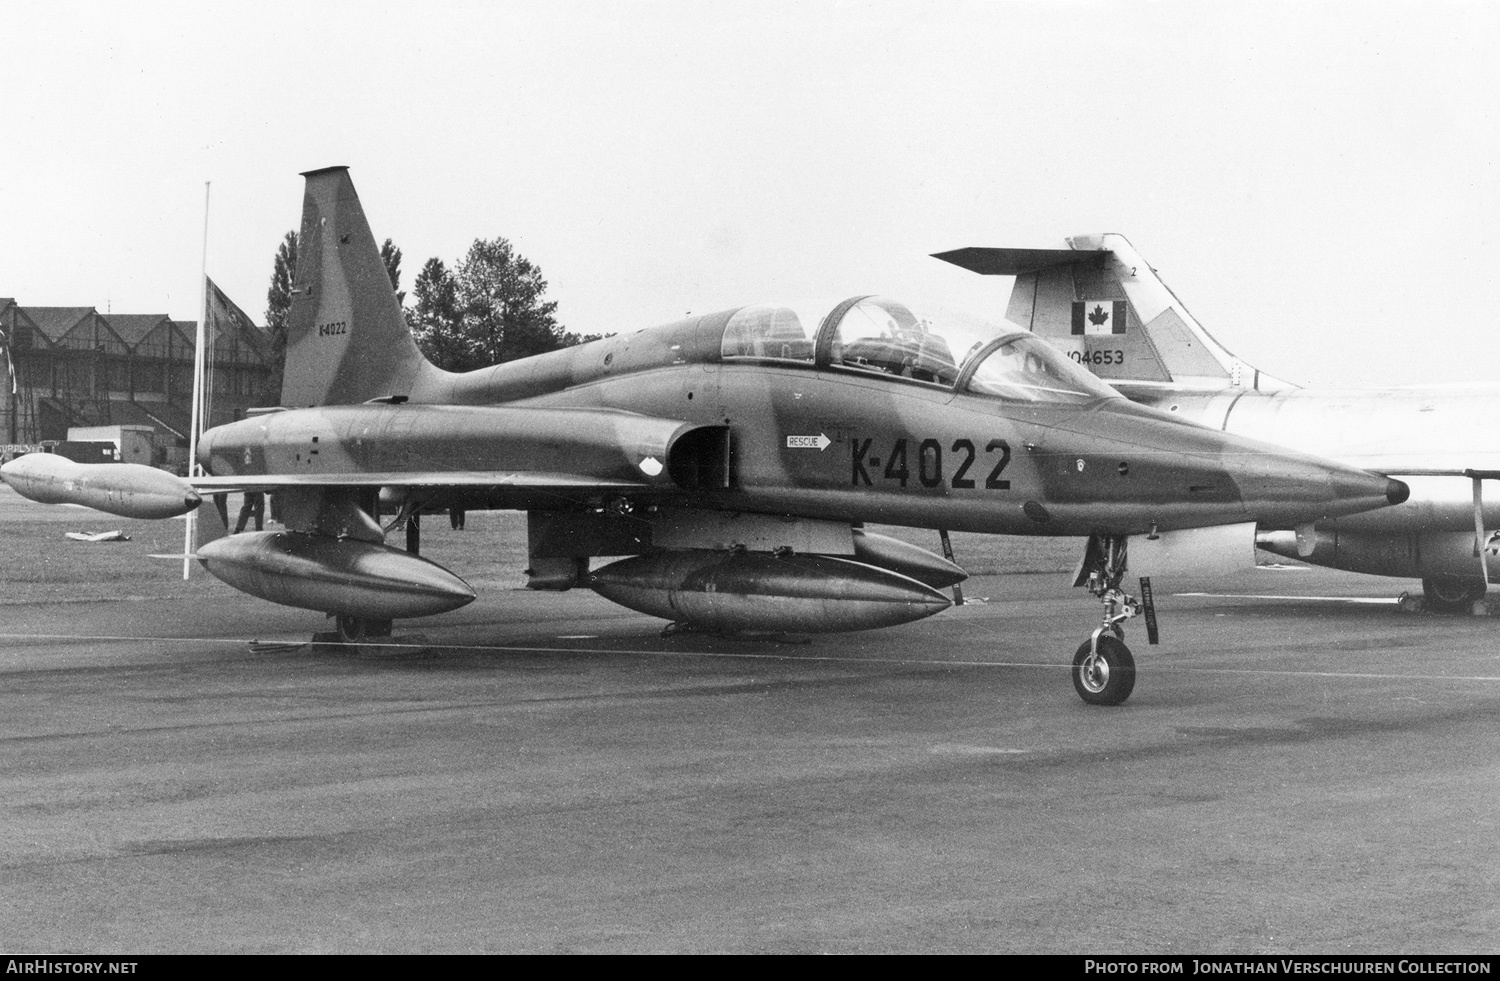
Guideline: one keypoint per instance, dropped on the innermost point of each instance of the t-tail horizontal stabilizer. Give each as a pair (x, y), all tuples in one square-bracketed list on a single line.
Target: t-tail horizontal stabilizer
[(1100, 302)]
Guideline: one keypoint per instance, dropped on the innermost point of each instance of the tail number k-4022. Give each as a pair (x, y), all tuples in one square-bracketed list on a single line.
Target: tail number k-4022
[(924, 464)]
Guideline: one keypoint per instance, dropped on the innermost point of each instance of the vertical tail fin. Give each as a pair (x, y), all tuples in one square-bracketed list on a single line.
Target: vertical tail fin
[(1103, 304), (347, 340)]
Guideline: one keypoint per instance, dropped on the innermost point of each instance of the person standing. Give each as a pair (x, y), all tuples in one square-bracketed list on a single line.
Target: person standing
[(254, 507)]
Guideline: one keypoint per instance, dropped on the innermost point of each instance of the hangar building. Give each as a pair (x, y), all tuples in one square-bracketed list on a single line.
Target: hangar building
[(73, 366)]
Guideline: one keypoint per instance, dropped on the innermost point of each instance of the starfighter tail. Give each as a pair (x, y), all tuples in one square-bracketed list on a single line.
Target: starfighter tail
[(1099, 301), (347, 340)]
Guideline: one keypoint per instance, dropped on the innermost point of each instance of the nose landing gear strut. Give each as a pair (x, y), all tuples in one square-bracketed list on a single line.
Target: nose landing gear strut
[(1103, 667)]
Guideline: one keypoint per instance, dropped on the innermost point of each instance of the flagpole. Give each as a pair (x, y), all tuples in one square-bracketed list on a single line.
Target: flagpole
[(193, 423)]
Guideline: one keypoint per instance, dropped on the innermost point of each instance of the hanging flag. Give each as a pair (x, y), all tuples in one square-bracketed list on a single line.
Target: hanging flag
[(1099, 317), (224, 316), (10, 365), (224, 322)]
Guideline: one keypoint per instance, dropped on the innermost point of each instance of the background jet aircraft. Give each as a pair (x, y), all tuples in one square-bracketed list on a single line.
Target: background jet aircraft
[(731, 459), (1104, 305)]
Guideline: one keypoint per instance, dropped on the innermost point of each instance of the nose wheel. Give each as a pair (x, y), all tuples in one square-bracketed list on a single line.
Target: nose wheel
[(1103, 667), (1103, 670)]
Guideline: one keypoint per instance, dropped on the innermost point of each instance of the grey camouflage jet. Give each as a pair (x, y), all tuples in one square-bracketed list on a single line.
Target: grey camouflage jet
[(726, 462)]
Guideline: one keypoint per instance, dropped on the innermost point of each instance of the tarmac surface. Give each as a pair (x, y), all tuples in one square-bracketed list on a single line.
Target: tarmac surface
[(180, 772)]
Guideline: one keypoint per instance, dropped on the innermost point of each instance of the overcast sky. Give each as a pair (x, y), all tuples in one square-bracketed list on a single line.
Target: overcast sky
[(1316, 181)]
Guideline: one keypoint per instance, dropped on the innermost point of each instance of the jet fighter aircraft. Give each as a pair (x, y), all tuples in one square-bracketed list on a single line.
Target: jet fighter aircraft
[(1103, 305), (726, 461)]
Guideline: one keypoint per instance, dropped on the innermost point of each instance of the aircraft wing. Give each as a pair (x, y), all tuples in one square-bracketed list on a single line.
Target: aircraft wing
[(1469, 472), (514, 480)]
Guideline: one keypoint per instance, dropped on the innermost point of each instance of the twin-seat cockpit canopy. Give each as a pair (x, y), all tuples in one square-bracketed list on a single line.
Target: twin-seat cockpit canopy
[(944, 348)]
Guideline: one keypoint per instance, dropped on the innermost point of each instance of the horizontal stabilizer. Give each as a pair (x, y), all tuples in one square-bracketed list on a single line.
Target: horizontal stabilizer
[(1107, 308), (1016, 262)]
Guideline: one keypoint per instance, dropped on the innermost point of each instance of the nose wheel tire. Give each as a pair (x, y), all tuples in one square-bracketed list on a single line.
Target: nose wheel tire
[(353, 630), (1105, 677)]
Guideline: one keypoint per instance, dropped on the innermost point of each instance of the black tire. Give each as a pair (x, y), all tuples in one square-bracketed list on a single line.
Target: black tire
[(1110, 679), (1452, 594), (353, 630)]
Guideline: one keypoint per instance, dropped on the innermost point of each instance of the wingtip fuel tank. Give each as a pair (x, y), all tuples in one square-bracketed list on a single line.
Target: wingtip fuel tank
[(129, 490)]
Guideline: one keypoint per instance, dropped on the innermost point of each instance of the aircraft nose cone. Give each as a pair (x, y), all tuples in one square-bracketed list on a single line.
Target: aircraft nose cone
[(1287, 489), (1353, 486)]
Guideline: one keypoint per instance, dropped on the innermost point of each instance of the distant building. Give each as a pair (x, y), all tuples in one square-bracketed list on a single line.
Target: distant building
[(73, 366)]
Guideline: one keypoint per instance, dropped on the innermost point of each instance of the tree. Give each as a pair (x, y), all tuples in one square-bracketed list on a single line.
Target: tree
[(436, 321), (391, 256), (278, 307), (490, 309), (501, 294)]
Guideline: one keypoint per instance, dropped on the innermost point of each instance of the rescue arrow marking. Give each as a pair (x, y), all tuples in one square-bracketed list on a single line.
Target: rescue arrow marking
[(819, 442)]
